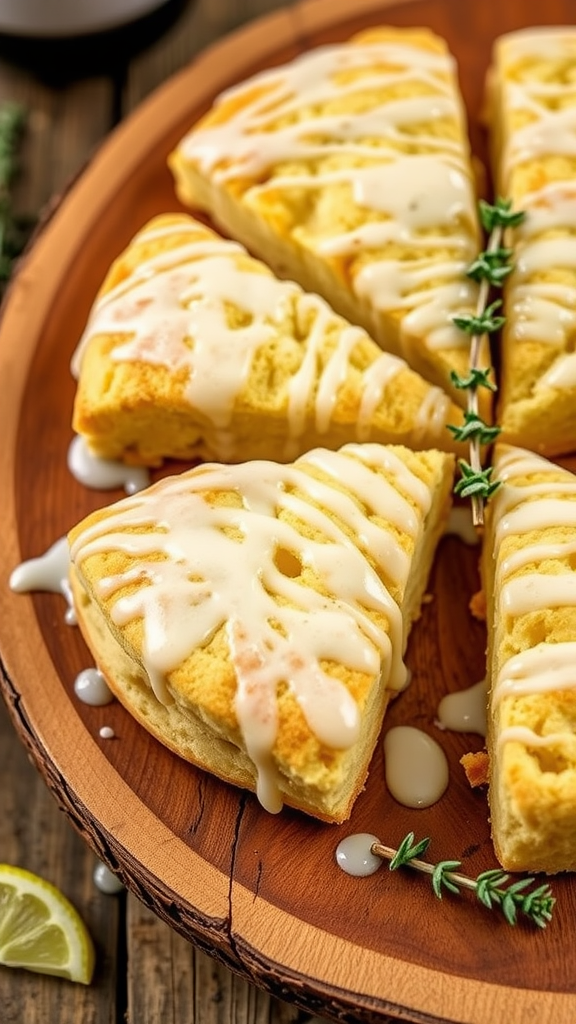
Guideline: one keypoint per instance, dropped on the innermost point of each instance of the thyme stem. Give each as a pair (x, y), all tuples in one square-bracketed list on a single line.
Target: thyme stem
[(491, 887), (477, 500)]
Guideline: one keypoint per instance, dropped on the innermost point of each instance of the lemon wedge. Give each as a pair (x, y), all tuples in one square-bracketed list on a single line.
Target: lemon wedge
[(40, 929)]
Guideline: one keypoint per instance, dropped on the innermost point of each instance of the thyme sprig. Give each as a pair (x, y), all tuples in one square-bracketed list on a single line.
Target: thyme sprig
[(490, 269), (491, 887), (14, 229)]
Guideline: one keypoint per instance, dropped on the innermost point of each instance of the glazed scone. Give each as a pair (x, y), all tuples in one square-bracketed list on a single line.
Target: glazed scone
[(254, 617), (194, 349), (529, 577), (348, 170), (532, 105)]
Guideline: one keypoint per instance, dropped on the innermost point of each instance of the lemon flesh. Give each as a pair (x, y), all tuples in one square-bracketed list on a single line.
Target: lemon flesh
[(40, 930)]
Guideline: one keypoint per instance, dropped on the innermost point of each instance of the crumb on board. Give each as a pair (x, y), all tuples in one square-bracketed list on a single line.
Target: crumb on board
[(476, 767), (478, 606)]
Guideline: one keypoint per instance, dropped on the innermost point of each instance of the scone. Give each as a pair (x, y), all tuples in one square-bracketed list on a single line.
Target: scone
[(194, 349), (532, 106), (529, 578), (348, 170), (254, 617)]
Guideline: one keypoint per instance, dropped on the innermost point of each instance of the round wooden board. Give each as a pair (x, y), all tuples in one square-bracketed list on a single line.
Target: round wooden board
[(261, 893)]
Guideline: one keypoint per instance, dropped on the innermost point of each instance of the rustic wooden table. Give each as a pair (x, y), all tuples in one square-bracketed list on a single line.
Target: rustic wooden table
[(74, 93)]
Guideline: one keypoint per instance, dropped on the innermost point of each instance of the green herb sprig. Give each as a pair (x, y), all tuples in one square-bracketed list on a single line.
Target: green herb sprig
[(490, 269), (491, 888), (14, 229)]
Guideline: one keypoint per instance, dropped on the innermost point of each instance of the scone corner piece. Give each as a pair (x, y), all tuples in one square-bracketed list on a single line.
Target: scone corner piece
[(254, 617), (331, 170), (193, 349)]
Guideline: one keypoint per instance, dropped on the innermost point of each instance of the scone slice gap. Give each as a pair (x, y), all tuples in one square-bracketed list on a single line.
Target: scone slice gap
[(529, 577), (532, 103), (349, 171), (254, 617), (195, 350)]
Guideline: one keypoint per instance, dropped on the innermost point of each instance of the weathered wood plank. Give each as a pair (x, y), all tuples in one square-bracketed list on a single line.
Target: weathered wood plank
[(199, 25), (63, 127), (35, 835), (171, 982)]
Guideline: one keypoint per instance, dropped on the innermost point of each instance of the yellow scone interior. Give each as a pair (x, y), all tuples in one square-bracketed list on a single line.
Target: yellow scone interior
[(532, 108), (194, 349), (254, 617), (529, 578), (349, 171)]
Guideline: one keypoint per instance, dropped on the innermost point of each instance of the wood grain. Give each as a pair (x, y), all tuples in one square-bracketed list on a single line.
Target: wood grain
[(262, 894)]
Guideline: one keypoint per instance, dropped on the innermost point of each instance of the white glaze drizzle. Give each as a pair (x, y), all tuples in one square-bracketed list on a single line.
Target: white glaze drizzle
[(354, 855), (206, 569), (424, 201), (174, 311), (465, 710), (539, 309), (538, 670), (104, 474), (416, 767), (48, 572), (520, 508), (91, 688)]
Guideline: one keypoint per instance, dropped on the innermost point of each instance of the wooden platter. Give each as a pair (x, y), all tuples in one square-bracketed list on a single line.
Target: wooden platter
[(262, 894)]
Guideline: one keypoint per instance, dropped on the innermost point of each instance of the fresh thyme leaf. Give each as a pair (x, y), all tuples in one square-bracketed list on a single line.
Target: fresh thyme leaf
[(440, 877), (474, 428), (499, 215), (14, 229), (407, 852), (476, 378), (475, 482)]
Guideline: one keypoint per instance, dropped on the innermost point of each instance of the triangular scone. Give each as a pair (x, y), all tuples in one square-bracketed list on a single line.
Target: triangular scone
[(529, 578), (195, 349), (532, 104), (348, 170), (254, 617)]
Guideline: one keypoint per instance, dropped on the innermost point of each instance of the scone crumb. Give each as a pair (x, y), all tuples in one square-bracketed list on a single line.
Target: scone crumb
[(478, 606), (475, 766)]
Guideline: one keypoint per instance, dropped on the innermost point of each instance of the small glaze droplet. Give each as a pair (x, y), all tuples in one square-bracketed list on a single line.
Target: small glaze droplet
[(106, 881), (48, 572), (107, 733), (104, 474), (416, 767), (460, 525), (354, 855), (465, 711), (91, 688)]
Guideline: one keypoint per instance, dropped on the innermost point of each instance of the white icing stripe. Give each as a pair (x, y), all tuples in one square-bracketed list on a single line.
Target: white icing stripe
[(534, 591), (396, 162), (529, 738), (543, 668), (195, 561), (537, 515)]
